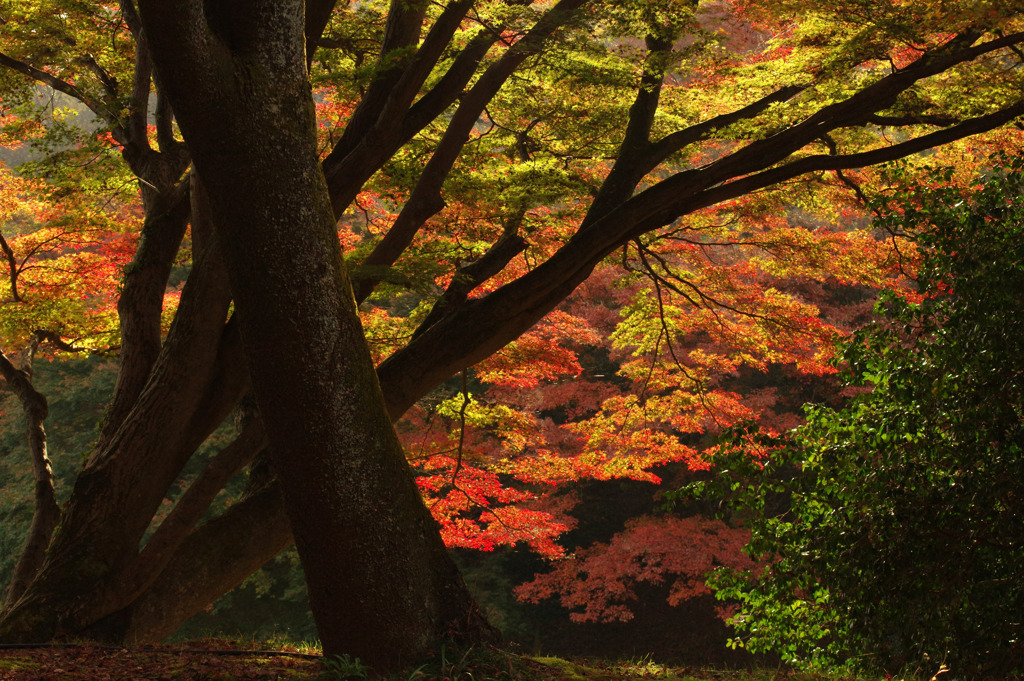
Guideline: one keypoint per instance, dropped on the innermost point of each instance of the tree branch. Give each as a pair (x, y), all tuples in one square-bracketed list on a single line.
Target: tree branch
[(449, 87), (941, 120), (425, 200), (402, 31), (853, 111), (356, 153), (212, 560), (55, 340), (318, 15), (179, 523), (372, 135), (681, 139), (59, 85), (138, 110), (472, 274), (131, 17), (109, 82), (773, 176), (422, 63), (12, 266), (635, 158), (140, 305), (482, 326), (637, 136)]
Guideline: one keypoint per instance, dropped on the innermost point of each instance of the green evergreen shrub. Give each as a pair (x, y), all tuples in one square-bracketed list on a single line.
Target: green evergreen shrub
[(893, 529)]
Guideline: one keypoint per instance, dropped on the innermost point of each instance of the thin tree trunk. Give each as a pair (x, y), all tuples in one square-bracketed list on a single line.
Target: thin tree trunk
[(47, 513)]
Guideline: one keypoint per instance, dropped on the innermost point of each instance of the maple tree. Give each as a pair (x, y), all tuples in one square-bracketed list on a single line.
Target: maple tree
[(481, 162)]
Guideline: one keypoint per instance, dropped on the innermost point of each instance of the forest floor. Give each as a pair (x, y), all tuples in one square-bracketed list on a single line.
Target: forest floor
[(230, 661)]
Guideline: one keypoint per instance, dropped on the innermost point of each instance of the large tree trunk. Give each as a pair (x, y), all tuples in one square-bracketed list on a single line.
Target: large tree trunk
[(382, 585)]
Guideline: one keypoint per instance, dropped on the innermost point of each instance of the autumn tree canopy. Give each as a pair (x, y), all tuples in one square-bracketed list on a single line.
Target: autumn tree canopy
[(464, 214)]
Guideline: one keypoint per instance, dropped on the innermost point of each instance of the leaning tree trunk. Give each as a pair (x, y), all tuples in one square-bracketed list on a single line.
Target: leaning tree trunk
[(47, 512), (382, 585)]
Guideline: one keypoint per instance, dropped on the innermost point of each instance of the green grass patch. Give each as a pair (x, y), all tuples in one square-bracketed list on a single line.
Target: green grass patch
[(17, 663)]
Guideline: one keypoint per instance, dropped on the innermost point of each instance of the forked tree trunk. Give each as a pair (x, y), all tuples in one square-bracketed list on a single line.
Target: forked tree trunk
[(382, 585)]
